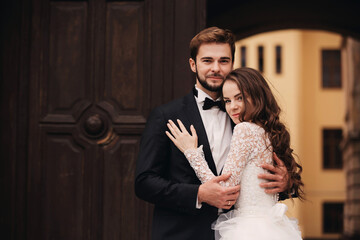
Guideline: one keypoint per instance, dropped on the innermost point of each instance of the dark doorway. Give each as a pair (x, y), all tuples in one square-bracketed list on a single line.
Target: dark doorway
[(246, 18), (79, 79)]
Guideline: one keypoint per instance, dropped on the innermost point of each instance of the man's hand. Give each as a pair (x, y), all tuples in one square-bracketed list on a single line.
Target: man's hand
[(279, 180), (216, 195)]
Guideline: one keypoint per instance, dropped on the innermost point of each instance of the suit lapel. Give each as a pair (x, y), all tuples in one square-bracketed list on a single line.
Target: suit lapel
[(192, 113)]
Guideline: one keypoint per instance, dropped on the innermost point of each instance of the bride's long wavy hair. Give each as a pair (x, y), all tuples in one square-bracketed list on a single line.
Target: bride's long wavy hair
[(266, 113)]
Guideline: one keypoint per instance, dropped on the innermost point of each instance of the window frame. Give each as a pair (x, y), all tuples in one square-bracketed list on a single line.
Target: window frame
[(331, 75), (329, 154)]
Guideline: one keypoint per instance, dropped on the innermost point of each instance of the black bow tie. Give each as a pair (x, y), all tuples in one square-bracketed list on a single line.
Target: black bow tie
[(208, 103)]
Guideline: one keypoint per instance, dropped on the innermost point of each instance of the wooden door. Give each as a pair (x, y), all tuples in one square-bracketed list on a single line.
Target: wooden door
[(96, 69)]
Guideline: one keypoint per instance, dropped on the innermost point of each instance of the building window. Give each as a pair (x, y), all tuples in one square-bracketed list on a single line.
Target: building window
[(333, 217), (243, 56), (331, 68), (278, 53), (261, 58), (332, 154)]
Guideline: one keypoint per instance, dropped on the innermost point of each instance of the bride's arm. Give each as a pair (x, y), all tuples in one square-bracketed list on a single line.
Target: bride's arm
[(240, 147)]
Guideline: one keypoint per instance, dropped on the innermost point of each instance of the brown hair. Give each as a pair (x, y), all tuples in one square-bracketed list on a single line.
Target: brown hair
[(266, 114), (212, 35)]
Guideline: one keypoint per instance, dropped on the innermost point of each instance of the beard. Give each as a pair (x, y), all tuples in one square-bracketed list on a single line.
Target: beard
[(207, 86)]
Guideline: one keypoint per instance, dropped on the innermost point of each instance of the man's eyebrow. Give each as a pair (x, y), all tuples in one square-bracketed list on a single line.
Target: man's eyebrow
[(222, 58)]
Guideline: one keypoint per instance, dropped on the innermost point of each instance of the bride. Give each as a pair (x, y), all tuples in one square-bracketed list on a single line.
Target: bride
[(258, 133)]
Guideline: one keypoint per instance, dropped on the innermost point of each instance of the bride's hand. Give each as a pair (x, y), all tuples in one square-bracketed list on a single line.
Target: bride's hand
[(181, 137)]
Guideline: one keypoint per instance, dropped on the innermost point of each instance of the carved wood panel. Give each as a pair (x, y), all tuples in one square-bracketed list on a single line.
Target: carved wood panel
[(124, 57), (121, 208), (64, 187), (66, 86), (91, 88), (87, 115), (125, 85)]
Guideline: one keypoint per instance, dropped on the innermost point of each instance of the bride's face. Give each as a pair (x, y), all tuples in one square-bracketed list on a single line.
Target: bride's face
[(235, 102)]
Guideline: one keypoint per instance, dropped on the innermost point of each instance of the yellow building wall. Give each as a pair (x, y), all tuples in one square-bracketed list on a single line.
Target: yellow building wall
[(307, 109)]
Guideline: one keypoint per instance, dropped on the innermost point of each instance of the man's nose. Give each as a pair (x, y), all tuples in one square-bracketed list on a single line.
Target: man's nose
[(216, 67)]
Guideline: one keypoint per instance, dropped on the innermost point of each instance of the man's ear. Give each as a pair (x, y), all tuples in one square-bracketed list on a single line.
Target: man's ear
[(192, 65)]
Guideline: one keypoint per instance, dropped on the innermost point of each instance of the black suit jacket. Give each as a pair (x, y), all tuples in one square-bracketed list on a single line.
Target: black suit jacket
[(165, 178)]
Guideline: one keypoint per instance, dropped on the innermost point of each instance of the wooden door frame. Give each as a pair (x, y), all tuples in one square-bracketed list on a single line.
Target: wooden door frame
[(16, 43), (15, 47)]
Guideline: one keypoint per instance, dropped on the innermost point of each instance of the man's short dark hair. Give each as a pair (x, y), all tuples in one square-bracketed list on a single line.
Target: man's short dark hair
[(212, 35)]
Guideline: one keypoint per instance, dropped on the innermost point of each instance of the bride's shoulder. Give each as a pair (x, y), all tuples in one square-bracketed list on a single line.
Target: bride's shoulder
[(248, 128), (245, 127)]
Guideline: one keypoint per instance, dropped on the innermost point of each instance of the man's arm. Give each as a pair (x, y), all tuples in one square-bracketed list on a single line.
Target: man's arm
[(212, 193), (152, 166), (279, 181), (151, 181)]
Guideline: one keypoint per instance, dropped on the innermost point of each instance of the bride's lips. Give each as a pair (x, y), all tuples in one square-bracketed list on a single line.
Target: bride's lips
[(235, 115)]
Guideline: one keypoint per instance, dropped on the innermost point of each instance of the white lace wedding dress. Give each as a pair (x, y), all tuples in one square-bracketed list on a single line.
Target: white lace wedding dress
[(256, 215)]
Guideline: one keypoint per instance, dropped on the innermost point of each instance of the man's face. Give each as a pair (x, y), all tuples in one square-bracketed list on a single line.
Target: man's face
[(213, 64)]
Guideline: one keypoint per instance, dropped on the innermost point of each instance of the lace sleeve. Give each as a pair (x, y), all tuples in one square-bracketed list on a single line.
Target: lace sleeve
[(240, 148), (197, 161)]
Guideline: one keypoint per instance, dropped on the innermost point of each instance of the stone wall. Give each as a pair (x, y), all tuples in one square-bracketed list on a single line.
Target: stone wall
[(351, 80)]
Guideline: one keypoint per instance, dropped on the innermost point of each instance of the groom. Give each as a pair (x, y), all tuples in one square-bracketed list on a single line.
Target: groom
[(185, 208)]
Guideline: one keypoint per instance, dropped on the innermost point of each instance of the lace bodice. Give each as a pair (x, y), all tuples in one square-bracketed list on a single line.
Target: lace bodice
[(250, 147)]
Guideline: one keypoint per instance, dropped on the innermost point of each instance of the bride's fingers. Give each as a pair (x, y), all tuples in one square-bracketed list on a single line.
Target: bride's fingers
[(174, 127), (182, 127), (172, 130), (182, 132), (171, 123), (170, 136), (193, 131)]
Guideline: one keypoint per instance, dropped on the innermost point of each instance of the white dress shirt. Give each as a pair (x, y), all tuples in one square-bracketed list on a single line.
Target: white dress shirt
[(218, 130)]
